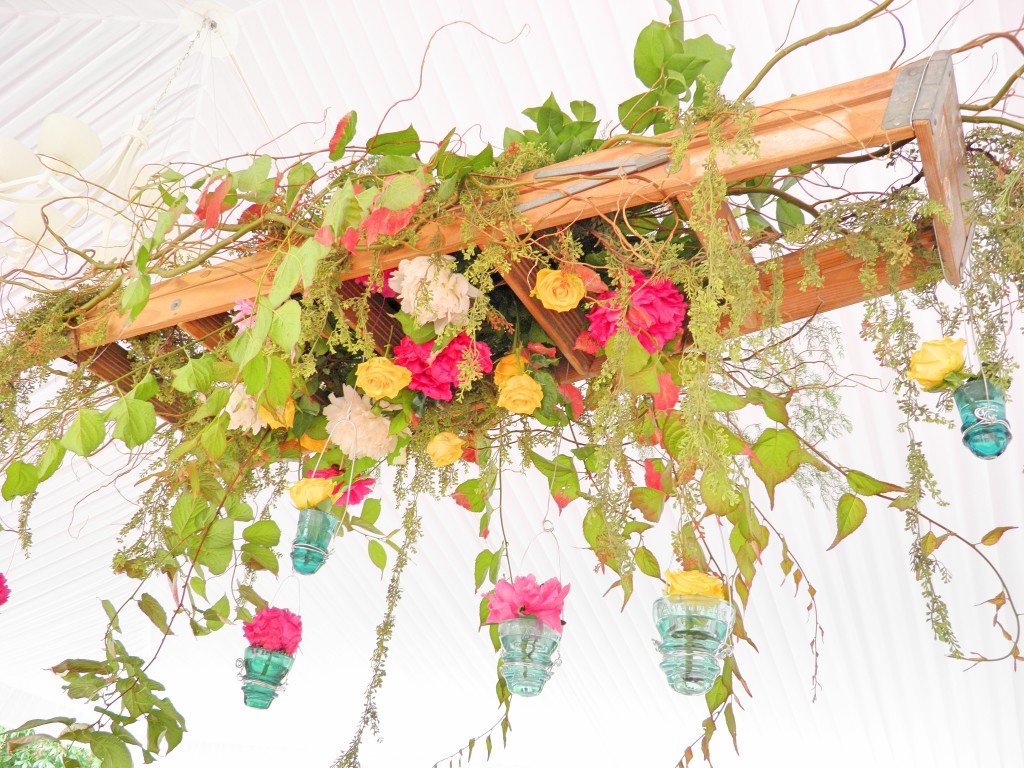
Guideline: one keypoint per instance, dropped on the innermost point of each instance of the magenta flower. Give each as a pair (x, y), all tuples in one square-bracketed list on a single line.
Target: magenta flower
[(355, 493), (5, 591), (435, 377), (655, 313), (523, 597), (243, 315), (276, 629)]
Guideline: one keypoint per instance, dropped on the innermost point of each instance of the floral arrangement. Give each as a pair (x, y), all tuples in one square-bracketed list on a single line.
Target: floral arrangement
[(276, 629), (523, 597), (381, 346)]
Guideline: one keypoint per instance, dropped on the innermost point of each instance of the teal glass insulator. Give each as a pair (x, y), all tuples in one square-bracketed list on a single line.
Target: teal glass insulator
[(264, 673), (527, 646), (695, 632), (312, 539), (982, 406)]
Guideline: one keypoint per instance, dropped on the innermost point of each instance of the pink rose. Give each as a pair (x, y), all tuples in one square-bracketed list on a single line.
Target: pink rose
[(523, 597), (435, 378), (655, 313), (276, 629)]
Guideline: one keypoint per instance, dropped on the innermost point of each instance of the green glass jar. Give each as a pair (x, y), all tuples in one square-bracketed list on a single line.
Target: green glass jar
[(695, 631), (982, 407), (264, 673), (312, 539), (527, 647)]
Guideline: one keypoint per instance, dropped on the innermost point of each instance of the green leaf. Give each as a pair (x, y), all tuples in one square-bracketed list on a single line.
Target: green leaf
[(929, 543), (252, 176), (561, 474), (110, 750), (51, 460), (286, 277), (195, 376), (21, 480), (653, 46), (777, 455), (992, 537), (347, 134), (213, 439), (134, 421), (788, 215), (265, 532), (286, 325), (688, 546), (420, 334), (111, 612), (401, 192), (647, 562), (378, 555), (405, 142), (594, 528), (850, 514), (637, 112), (724, 402), (156, 613), (344, 211), (298, 177), (774, 405), (257, 556), (649, 501), (719, 57), (371, 511), (481, 567), (250, 595), (583, 110), (85, 433), (866, 485), (135, 295)]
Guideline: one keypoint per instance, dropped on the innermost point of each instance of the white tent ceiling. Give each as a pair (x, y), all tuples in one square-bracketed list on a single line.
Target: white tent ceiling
[(888, 697)]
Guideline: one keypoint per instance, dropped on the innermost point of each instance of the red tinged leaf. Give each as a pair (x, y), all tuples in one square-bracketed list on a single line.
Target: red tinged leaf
[(485, 533), (342, 135), (561, 499), (254, 211), (539, 349), (574, 397), (591, 280), (350, 239), (211, 202), (666, 397), (462, 500), (587, 343), (652, 475), (325, 237), (385, 222), (748, 451), (469, 454)]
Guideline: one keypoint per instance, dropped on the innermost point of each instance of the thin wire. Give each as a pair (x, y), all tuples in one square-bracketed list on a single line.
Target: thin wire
[(548, 527)]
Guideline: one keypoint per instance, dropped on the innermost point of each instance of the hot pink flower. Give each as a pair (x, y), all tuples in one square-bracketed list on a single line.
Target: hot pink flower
[(5, 591), (354, 494), (523, 597), (276, 629), (324, 474), (655, 313), (435, 378), (386, 290), (243, 315)]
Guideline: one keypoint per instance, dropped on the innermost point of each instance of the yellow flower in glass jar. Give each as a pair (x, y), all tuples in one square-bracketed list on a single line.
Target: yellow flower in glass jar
[(283, 417), (309, 492), (520, 394), (379, 377), (507, 367), (558, 290), (935, 360), (694, 583), (445, 448)]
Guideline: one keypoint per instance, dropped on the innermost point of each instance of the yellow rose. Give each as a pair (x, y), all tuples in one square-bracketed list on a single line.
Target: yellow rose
[(694, 583), (445, 448), (309, 492), (282, 418), (507, 367), (935, 360), (312, 444), (559, 291), (520, 394), (379, 377)]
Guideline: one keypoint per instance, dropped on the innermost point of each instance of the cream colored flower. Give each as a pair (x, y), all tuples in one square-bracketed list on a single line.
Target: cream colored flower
[(309, 492), (694, 583), (431, 291), (380, 378), (356, 429), (558, 290), (507, 367), (520, 394), (445, 448), (282, 418), (935, 360), (243, 412)]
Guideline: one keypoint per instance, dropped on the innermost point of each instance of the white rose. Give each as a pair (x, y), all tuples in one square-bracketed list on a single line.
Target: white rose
[(243, 411), (356, 429), (431, 291)]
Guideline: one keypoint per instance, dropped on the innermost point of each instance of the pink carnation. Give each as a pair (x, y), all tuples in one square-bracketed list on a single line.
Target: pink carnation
[(655, 313), (523, 597), (243, 315), (5, 591), (435, 378), (354, 494), (276, 629), (386, 290)]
